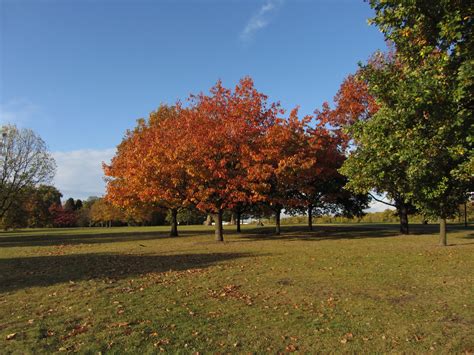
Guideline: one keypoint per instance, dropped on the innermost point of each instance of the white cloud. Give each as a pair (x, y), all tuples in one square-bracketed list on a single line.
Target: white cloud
[(79, 173), (259, 20), (18, 112), (376, 206)]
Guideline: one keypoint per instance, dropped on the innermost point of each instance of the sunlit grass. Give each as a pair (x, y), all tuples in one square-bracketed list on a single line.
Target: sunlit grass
[(357, 288)]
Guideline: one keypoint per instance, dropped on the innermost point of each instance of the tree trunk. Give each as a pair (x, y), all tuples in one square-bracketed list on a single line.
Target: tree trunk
[(219, 230), (465, 214), (174, 222), (208, 221), (239, 216), (403, 214), (277, 221), (232, 219), (442, 232), (310, 217)]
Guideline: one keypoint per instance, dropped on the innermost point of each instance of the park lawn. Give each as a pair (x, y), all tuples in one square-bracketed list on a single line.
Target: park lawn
[(344, 288)]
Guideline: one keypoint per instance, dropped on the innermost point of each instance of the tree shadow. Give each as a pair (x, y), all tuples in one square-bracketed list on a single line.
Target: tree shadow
[(20, 273), (334, 232), (72, 237), (469, 236)]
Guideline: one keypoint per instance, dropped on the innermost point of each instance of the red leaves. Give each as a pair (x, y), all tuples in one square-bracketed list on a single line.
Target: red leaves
[(62, 217)]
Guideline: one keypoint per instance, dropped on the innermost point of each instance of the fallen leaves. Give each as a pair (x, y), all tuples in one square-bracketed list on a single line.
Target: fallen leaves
[(78, 329), (58, 250), (120, 324), (291, 348), (159, 343), (347, 337), (11, 336), (231, 291)]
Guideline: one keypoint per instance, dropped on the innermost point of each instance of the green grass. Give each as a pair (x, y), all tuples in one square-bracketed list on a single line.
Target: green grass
[(344, 288)]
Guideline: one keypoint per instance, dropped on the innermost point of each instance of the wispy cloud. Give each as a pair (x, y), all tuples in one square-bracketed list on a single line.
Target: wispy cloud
[(260, 20), (19, 112), (79, 173)]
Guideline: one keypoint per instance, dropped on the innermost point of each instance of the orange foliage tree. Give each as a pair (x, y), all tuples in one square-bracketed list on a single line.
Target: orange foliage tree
[(225, 150), (104, 213), (352, 102), (318, 179), (284, 156), (223, 132), (148, 169)]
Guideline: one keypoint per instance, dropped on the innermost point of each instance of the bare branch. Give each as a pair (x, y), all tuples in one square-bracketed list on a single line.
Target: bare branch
[(24, 162)]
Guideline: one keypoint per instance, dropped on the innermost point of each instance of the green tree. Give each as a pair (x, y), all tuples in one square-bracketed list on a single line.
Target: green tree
[(84, 213), (352, 120), (429, 103), (78, 205), (70, 205)]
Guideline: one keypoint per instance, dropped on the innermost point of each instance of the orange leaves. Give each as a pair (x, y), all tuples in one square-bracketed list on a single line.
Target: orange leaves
[(147, 168), (224, 149), (288, 155), (353, 103), (223, 133)]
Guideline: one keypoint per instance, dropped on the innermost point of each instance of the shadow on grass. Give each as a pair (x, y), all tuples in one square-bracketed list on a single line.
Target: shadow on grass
[(73, 236), (334, 232), (69, 237), (469, 236), (20, 273)]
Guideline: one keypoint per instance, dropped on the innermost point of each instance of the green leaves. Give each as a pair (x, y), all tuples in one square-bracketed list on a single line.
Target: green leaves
[(421, 137)]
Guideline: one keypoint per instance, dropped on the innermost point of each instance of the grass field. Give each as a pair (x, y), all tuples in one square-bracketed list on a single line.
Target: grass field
[(345, 288)]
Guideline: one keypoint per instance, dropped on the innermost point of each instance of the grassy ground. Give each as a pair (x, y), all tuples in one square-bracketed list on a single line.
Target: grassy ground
[(340, 288)]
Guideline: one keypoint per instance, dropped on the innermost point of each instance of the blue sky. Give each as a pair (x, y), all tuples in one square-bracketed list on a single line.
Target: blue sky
[(81, 72)]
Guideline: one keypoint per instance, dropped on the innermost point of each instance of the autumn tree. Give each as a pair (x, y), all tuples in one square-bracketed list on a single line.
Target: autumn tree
[(143, 214), (62, 217), (105, 213), (149, 166), (320, 185), (221, 143), (84, 213), (352, 103), (284, 158), (31, 208)]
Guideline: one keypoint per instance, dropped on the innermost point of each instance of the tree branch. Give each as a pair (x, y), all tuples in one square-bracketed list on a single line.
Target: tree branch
[(381, 201)]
